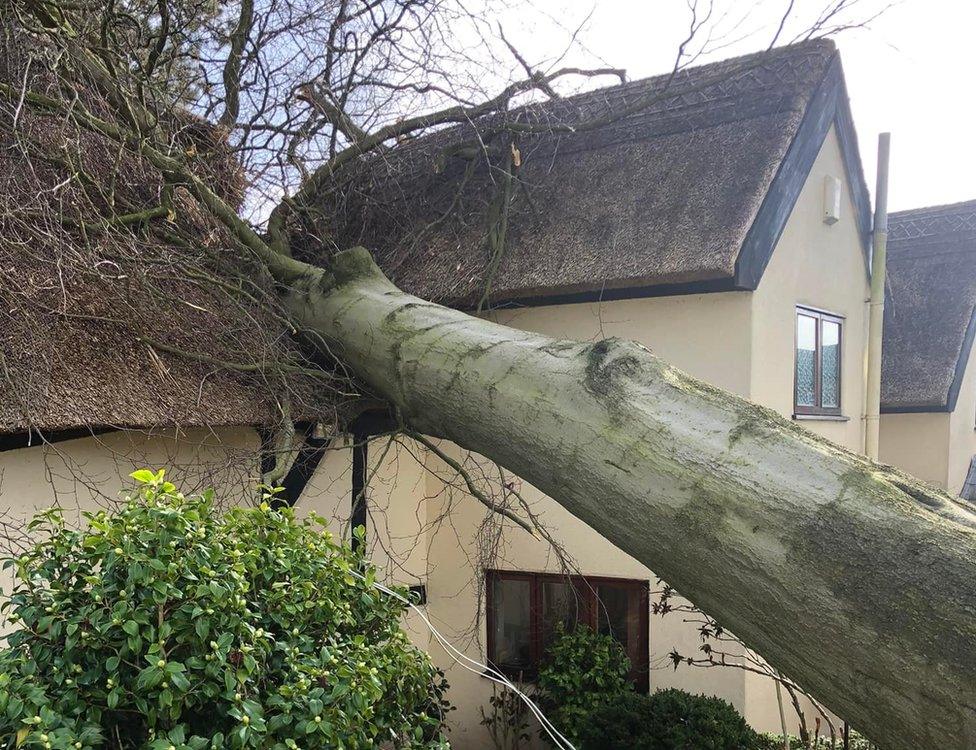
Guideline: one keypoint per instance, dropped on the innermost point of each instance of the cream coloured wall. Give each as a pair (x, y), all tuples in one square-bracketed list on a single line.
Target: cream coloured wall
[(935, 446), (456, 594), (918, 444), (707, 335), (91, 472), (820, 266)]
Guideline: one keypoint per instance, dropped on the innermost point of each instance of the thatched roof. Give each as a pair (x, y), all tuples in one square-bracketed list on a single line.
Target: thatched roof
[(688, 193), (930, 307), (90, 314)]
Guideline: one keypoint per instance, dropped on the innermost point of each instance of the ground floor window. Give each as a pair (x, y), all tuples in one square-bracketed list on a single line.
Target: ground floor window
[(524, 610)]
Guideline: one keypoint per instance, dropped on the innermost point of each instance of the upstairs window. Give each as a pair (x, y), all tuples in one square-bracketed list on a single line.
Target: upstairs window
[(526, 609), (818, 363)]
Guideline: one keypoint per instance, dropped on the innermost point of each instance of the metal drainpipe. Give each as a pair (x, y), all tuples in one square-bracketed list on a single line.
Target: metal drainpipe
[(872, 407)]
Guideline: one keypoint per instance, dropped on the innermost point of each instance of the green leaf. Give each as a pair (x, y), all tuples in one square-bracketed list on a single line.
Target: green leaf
[(179, 681), (149, 677), (144, 476)]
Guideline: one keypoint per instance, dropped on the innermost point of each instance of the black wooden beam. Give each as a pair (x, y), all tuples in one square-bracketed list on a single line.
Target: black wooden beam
[(360, 442), (310, 456), (33, 438), (363, 428)]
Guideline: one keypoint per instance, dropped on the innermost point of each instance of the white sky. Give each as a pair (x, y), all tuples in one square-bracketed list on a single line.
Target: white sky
[(912, 72)]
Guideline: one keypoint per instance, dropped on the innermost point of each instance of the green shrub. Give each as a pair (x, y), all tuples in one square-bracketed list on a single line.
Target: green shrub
[(667, 720), (167, 626), (582, 670), (775, 742)]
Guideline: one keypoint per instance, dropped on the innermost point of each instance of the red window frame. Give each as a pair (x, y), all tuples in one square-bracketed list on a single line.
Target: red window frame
[(586, 590)]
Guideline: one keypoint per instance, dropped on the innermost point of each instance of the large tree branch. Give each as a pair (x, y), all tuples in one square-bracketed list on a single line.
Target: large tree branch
[(853, 578)]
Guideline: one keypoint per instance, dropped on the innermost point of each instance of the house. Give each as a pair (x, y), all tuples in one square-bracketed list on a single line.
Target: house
[(928, 376), (719, 217)]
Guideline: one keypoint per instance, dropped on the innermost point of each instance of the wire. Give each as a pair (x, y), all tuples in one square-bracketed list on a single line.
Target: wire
[(483, 670), (476, 667)]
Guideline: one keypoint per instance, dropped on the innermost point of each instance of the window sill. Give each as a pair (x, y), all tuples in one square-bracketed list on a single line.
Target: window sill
[(821, 418)]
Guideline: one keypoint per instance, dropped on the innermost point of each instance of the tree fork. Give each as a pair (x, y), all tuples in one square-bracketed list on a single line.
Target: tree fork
[(853, 578)]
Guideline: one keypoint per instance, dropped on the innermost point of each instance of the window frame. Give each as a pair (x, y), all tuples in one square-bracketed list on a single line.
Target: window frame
[(820, 316), (586, 588)]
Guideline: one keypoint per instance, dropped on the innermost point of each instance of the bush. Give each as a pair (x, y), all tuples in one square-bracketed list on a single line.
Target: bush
[(775, 742), (168, 626), (667, 720), (581, 671)]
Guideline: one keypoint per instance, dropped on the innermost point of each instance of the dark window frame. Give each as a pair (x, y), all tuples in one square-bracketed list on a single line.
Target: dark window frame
[(585, 587), (818, 409)]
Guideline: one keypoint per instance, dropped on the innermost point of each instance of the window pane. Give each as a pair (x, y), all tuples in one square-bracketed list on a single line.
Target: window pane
[(830, 364), (619, 615), (806, 358), (560, 605), (512, 635)]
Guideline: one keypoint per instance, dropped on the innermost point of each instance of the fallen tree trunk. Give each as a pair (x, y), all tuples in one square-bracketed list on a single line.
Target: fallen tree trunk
[(854, 579)]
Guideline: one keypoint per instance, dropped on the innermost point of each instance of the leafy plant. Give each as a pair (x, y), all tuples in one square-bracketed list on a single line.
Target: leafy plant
[(507, 719), (170, 626), (582, 671), (667, 720), (775, 742)]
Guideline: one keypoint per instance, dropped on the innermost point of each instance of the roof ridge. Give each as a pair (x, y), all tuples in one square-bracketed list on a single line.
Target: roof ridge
[(933, 221), (942, 208), (714, 90), (767, 55), (696, 82)]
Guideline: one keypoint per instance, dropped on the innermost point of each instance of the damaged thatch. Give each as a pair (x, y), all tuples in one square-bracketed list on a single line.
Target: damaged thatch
[(930, 307), (118, 304), (664, 195)]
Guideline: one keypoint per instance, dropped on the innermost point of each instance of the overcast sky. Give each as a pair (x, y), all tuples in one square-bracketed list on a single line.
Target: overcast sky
[(912, 72)]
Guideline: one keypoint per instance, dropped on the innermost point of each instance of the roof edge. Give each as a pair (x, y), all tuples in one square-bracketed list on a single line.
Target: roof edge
[(941, 208), (828, 106), (964, 352), (34, 438), (610, 294)]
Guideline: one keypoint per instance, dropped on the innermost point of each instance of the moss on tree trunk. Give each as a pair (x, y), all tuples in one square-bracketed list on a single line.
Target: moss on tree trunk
[(853, 578)]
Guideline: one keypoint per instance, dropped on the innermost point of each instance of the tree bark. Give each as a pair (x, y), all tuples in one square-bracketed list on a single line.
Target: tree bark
[(856, 580)]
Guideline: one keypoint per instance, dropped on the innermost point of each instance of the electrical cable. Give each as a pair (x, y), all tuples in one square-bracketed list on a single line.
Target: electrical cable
[(482, 670)]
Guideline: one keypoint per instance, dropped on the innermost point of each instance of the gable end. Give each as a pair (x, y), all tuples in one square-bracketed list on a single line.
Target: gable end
[(828, 106)]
